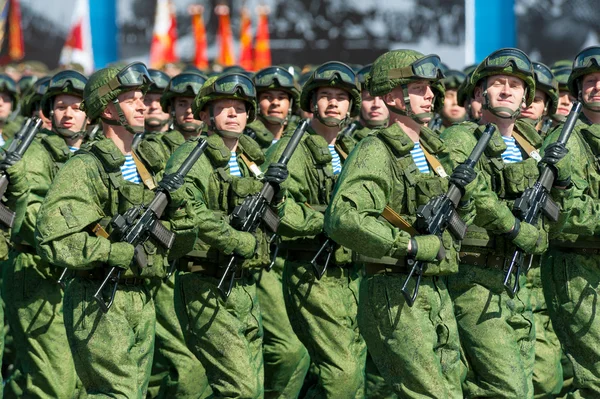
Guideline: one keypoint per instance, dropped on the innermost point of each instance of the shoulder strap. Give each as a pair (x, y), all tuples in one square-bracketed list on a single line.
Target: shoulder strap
[(341, 152), (251, 165), (144, 173), (434, 163), (398, 221), (529, 149)]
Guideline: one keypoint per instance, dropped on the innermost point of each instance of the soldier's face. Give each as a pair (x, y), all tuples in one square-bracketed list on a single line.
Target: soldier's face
[(332, 102), (503, 91), (154, 114), (229, 115), (373, 108), (132, 105), (565, 103), (475, 109), (590, 88), (274, 103), (452, 109), (183, 110), (536, 109), (67, 114), (5, 105)]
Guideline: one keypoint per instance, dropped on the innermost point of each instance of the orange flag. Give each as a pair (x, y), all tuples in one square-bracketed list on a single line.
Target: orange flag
[(262, 49), (201, 57), (245, 60), (225, 37), (164, 36)]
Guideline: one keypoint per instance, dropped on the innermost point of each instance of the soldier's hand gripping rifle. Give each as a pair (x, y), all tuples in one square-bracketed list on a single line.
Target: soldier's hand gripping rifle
[(140, 223), (537, 200), (21, 144), (256, 209), (440, 214)]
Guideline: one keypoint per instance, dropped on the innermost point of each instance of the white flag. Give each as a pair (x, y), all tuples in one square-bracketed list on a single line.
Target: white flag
[(78, 47)]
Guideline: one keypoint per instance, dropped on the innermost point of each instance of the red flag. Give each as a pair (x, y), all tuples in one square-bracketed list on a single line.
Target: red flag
[(164, 36), (225, 37), (16, 49), (201, 57), (262, 49), (245, 60), (78, 46)]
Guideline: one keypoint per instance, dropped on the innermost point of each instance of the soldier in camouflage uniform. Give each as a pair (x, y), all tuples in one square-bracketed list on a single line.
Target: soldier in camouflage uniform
[(453, 111), (36, 316), (286, 360), (570, 275), (496, 328), (278, 100), (32, 100), (547, 370), (464, 96), (545, 101), (373, 112), (562, 71), (416, 348), (176, 100), (112, 351), (156, 119), (9, 98), (224, 334), (176, 372), (322, 311)]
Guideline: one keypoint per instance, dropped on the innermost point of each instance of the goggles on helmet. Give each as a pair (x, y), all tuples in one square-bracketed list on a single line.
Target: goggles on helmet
[(429, 67)]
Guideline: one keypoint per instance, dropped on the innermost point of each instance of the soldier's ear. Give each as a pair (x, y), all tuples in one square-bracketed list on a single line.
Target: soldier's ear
[(109, 111), (205, 117)]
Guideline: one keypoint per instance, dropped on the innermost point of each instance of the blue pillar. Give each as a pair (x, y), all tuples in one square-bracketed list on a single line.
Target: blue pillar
[(495, 26), (103, 18)]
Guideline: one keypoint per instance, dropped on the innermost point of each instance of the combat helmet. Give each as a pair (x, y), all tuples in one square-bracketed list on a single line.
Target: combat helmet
[(562, 70), (185, 84), (277, 78), (105, 85), (235, 86), (402, 67), (545, 81), (159, 81), (331, 74), (32, 100), (506, 61), (586, 62), (64, 82)]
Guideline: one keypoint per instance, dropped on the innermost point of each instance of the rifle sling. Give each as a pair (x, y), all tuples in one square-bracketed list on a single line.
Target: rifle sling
[(144, 173), (341, 152), (434, 163), (529, 149), (251, 165), (398, 221)]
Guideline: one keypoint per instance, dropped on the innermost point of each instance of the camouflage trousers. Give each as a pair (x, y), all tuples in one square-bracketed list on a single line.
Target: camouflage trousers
[(416, 348), (112, 351), (496, 331), (226, 336), (323, 315), (547, 369), (176, 372), (571, 286), (34, 309), (286, 359)]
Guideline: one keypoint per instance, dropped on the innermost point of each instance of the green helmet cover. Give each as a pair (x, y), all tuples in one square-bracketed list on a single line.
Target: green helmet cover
[(209, 92), (185, 84)]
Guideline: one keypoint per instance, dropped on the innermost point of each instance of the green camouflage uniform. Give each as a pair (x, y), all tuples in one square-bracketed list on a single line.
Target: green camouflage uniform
[(176, 372), (570, 268), (112, 351), (395, 333), (225, 335), (36, 316)]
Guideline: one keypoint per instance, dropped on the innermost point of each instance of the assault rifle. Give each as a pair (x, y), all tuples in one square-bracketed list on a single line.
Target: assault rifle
[(141, 222), (21, 142), (350, 129), (435, 123), (537, 200), (256, 209), (17, 138), (440, 214)]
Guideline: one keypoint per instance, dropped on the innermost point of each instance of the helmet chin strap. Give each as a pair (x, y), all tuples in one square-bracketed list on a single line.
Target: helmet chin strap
[(370, 123), (559, 118), (155, 128), (273, 120), (122, 121), (223, 133), (421, 118), (591, 106), (501, 112)]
